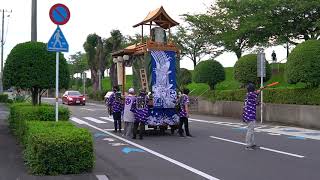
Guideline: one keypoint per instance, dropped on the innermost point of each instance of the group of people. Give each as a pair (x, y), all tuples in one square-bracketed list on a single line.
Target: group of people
[(134, 111)]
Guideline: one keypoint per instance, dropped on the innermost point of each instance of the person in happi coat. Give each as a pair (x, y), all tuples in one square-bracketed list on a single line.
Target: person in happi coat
[(184, 113), (128, 115), (249, 114), (141, 114), (116, 105)]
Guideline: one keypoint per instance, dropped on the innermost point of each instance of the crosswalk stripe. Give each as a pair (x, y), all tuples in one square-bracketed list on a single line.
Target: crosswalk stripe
[(102, 177), (106, 118), (79, 121), (95, 120)]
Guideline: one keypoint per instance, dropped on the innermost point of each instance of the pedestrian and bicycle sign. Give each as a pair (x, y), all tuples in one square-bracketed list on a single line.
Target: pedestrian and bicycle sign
[(58, 42), (59, 14)]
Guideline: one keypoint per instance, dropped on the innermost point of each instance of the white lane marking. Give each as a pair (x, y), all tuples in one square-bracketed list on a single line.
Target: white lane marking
[(189, 168), (274, 134), (95, 120), (283, 130), (108, 139), (79, 121), (87, 109), (102, 177), (111, 129), (264, 148), (107, 118), (118, 144)]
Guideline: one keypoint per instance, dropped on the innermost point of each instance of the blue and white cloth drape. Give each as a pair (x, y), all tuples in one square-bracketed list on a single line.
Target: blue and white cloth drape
[(164, 88)]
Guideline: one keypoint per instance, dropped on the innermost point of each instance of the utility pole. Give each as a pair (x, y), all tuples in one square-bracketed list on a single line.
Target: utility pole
[(34, 20), (2, 44)]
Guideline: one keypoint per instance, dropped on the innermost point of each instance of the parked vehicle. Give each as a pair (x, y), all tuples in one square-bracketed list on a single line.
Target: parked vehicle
[(73, 97)]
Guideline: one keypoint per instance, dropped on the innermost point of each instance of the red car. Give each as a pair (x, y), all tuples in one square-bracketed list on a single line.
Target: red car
[(73, 97)]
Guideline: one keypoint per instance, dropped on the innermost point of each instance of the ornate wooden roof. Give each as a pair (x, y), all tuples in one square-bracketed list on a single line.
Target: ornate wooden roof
[(160, 17)]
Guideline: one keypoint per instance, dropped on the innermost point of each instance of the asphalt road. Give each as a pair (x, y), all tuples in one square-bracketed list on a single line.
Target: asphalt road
[(215, 152)]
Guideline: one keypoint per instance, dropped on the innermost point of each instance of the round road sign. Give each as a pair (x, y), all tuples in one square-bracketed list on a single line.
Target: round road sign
[(59, 14)]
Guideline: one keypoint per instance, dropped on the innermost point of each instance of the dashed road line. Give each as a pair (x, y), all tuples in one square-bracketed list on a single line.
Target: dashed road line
[(263, 148), (77, 120), (94, 120), (102, 177)]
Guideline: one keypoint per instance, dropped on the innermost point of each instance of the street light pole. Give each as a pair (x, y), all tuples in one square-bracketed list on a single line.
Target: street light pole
[(34, 20), (1, 74), (84, 83)]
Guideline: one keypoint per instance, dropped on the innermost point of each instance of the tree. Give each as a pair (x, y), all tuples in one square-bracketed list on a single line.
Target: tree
[(185, 78), (112, 44), (193, 44), (226, 26), (78, 63), (245, 69), (304, 63), (136, 39), (30, 66), (210, 72), (293, 21), (95, 56), (240, 25)]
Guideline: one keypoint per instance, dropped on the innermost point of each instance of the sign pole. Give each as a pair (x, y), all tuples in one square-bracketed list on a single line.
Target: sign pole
[(57, 85), (261, 85), (59, 15)]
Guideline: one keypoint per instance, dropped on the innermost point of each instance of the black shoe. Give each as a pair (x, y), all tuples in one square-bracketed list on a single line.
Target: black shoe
[(115, 131), (189, 135), (119, 131), (134, 137), (141, 138), (181, 135), (249, 148)]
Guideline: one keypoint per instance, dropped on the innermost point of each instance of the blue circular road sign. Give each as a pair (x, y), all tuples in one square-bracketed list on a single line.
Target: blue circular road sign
[(59, 14)]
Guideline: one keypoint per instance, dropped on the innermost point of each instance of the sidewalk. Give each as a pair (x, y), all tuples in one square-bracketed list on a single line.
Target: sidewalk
[(11, 161)]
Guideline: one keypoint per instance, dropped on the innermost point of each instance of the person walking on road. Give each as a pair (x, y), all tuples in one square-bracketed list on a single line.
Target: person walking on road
[(116, 104), (141, 113), (128, 115), (249, 115), (184, 113)]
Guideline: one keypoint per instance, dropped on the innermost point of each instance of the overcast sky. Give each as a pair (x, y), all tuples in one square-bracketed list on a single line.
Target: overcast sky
[(98, 16)]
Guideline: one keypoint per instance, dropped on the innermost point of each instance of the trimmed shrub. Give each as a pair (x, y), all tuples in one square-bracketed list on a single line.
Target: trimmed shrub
[(304, 64), (245, 70), (22, 112), (185, 77), (3, 98), (210, 72), (29, 66), (53, 148)]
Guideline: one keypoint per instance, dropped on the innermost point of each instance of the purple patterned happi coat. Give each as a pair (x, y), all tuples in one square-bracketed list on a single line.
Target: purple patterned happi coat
[(250, 106)]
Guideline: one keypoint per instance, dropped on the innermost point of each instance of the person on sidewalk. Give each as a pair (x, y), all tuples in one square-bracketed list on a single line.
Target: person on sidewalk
[(141, 113), (249, 114), (128, 115), (116, 104), (184, 112)]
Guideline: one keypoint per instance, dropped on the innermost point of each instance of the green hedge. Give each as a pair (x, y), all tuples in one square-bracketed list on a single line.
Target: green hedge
[(53, 148), (3, 98), (303, 64), (21, 112), (276, 96)]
